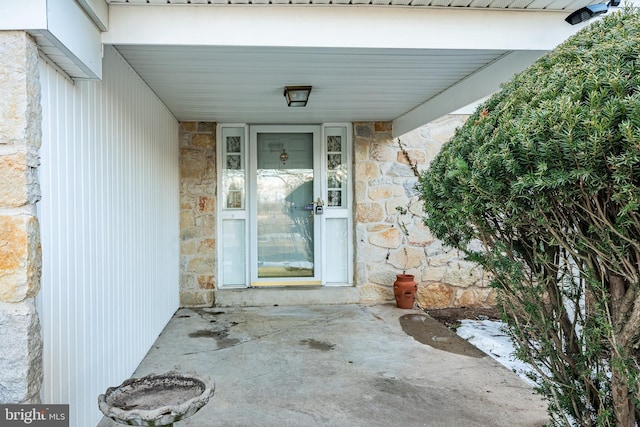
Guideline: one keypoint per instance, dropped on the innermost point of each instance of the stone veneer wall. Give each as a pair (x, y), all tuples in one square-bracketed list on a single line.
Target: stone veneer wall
[(388, 240), (20, 252), (197, 213), (391, 240)]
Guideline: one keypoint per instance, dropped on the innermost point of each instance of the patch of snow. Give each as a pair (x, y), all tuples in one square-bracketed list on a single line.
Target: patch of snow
[(489, 336)]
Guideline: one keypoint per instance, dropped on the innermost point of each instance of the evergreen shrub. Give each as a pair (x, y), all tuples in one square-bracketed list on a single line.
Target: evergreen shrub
[(546, 175)]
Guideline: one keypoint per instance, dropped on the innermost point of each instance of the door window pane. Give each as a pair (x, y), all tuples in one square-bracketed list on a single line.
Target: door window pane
[(284, 186)]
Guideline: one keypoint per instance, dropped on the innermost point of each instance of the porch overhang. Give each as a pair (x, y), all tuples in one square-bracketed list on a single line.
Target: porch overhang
[(408, 65), (336, 26), (405, 61)]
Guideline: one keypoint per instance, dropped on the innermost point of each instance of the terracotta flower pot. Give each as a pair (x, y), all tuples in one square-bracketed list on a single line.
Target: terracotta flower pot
[(404, 289)]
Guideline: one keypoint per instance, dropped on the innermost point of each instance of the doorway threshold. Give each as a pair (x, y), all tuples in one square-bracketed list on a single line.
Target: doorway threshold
[(260, 297)]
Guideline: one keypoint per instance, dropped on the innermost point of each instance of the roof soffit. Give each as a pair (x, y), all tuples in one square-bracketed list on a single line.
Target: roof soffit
[(406, 64)]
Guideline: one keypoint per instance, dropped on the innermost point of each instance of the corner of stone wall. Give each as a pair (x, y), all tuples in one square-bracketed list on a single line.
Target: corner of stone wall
[(20, 251), (197, 214), (372, 143), (390, 235)]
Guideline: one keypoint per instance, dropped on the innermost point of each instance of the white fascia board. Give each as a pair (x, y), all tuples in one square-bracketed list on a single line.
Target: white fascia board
[(75, 34), (23, 14), (64, 24), (336, 26), (478, 85), (98, 11)]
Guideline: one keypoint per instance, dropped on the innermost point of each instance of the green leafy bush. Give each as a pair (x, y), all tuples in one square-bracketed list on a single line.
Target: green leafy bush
[(546, 174)]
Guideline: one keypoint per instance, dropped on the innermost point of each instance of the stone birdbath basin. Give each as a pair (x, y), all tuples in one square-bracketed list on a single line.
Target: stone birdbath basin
[(155, 400)]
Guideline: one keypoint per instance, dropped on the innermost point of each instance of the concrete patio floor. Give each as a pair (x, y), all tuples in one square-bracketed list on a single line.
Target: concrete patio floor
[(335, 365)]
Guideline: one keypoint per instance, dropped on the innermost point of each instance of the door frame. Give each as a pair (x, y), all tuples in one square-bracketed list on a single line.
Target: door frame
[(318, 192), (232, 259)]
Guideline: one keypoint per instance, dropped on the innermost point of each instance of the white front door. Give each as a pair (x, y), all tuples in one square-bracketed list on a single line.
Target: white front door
[(284, 197), (286, 206)]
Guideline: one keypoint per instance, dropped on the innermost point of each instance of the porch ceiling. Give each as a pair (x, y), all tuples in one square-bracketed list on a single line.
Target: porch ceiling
[(409, 65), (245, 84)]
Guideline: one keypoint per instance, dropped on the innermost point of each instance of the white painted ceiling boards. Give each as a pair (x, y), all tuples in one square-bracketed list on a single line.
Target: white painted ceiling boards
[(409, 61)]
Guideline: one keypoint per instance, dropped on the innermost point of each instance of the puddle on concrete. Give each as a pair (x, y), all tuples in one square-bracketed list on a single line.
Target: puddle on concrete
[(221, 337), (429, 331), (318, 345)]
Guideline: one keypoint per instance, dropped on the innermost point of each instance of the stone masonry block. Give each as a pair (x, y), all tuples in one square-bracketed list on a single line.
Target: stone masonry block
[(442, 130), (361, 149), (188, 126), (382, 152), (434, 295), (388, 238), (363, 129), (192, 168), (410, 187), (13, 180), (203, 141), (20, 257), (187, 218), (463, 274), (381, 275), (206, 127), (371, 253), (369, 212), (378, 192), (366, 170), (433, 274), (391, 205), (188, 247), (385, 127), (20, 110), (416, 156), (207, 246), (188, 233), (206, 204), (201, 265), (400, 170), (407, 257), (360, 191), (472, 297), (204, 298), (18, 178), (206, 282), (375, 293), (492, 298), (185, 140), (20, 358), (187, 280)]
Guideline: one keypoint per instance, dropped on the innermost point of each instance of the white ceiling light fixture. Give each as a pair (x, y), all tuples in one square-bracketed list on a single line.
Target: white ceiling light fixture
[(297, 96)]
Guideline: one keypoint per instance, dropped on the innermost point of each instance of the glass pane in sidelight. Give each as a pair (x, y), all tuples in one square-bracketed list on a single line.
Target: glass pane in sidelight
[(337, 256), (336, 144), (233, 252), (233, 168)]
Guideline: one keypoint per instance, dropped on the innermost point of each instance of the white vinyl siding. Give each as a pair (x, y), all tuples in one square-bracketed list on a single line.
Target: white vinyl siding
[(109, 219)]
